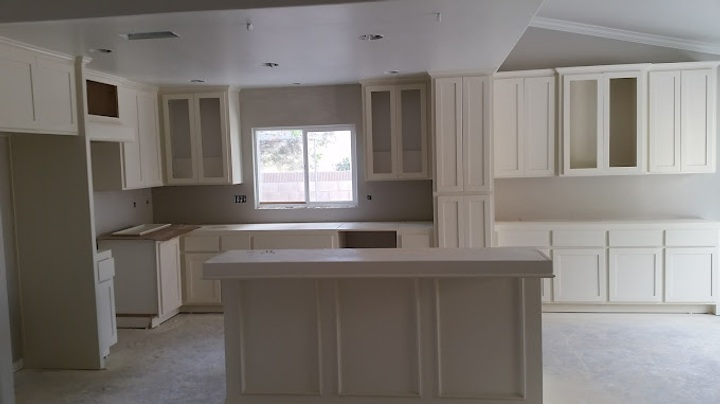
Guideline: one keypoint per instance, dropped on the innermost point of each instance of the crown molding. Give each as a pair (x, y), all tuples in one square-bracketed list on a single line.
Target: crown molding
[(623, 35)]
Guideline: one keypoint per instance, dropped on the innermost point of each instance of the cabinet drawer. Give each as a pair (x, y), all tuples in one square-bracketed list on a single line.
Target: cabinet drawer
[(205, 243), (635, 238), (106, 269), (523, 238), (237, 242), (578, 238), (691, 238)]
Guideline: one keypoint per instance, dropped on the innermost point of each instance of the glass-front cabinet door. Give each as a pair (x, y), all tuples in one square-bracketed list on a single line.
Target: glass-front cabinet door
[(380, 123), (179, 126), (211, 137), (582, 122), (412, 152)]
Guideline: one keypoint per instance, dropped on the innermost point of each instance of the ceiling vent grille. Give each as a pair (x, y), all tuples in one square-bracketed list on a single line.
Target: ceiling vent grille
[(138, 36)]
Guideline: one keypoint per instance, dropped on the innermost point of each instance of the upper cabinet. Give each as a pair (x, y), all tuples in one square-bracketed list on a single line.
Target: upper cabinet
[(37, 91), (396, 131), (462, 134), (111, 108), (682, 112), (524, 124), (132, 164), (603, 120), (202, 138)]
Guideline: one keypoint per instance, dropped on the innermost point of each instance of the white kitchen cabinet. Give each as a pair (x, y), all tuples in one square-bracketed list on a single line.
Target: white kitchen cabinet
[(202, 138), (580, 275), (682, 118), (464, 221), (111, 114), (635, 274), (603, 120), (524, 124), (105, 290), (37, 91), (199, 291), (396, 131), (148, 283), (691, 275), (546, 286), (132, 164), (415, 238), (462, 134)]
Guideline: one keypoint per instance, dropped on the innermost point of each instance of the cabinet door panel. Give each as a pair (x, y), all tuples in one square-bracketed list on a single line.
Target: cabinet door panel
[(539, 127), (131, 151), (276, 240), (476, 135), (197, 289), (624, 126), (582, 122), (211, 134), (478, 220), (170, 278), (380, 112), (508, 118), (179, 123), (546, 291), (107, 325), (149, 138), (450, 222), (635, 274), (691, 275), (54, 88), (16, 97), (697, 111), (412, 150), (580, 275), (664, 135), (448, 135)]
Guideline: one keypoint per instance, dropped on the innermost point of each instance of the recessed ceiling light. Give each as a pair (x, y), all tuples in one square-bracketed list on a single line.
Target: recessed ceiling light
[(101, 50), (197, 81), (371, 37), (136, 36), (392, 72), (270, 64), (297, 83)]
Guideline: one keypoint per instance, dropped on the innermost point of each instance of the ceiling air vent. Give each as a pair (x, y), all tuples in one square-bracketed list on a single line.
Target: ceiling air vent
[(137, 36)]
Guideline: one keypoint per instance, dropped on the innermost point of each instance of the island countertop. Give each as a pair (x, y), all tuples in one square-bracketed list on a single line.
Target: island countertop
[(379, 263)]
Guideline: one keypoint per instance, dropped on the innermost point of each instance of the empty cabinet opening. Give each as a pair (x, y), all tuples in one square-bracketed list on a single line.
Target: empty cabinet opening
[(411, 135), (368, 239), (380, 102), (102, 99), (584, 124), (623, 122), (179, 122)]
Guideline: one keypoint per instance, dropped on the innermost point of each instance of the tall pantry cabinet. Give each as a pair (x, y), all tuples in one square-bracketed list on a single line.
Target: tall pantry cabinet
[(462, 165)]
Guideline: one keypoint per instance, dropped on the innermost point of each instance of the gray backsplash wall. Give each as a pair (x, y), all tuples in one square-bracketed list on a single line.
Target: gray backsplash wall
[(115, 210), (321, 105)]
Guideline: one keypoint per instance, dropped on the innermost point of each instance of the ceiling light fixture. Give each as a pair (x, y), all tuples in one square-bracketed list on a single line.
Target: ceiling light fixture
[(249, 26), (197, 81), (101, 50), (371, 37), (137, 36), (392, 72), (270, 64)]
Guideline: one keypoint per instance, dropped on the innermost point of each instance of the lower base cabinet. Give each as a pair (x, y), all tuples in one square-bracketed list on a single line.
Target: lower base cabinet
[(464, 221), (580, 275), (635, 275), (691, 275), (199, 291)]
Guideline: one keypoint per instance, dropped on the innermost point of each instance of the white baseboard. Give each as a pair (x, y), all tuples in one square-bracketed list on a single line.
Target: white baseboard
[(18, 365)]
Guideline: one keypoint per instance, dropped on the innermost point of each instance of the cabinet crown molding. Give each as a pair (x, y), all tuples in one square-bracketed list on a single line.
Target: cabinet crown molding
[(524, 73), (603, 68), (461, 73), (118, 81), (415, 78), (32, 48)]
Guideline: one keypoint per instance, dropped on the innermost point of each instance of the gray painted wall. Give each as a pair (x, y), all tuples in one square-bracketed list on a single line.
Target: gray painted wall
[(7, 392), (617, 197), (120, 209), (8, 242), (323, 105)]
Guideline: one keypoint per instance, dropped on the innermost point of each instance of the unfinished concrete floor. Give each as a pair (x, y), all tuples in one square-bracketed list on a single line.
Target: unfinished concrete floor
[(588, 359)]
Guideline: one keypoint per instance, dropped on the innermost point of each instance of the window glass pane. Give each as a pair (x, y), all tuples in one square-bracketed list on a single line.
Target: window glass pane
[(330, 164), (280, 171)]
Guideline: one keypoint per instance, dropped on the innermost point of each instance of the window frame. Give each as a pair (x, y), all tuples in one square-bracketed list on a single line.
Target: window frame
[(307, 204)]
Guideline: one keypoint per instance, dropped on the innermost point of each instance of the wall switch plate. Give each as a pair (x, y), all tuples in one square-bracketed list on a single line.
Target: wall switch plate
[(240, 198)]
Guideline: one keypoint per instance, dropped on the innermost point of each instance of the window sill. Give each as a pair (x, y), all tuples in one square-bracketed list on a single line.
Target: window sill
[(293, 207)]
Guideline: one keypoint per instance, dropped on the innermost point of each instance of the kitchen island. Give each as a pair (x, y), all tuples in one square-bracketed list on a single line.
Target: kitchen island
[(382, 325)]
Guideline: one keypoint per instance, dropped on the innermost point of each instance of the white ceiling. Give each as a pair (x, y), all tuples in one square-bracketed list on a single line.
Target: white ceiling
[(318, 44), (312, 44)]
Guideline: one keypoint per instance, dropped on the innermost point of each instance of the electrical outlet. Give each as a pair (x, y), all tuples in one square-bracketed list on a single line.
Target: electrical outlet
[(240, 198), (369, 197)]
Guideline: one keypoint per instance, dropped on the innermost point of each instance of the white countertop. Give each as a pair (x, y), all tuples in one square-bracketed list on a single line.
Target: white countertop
[(379, 263), (330, 226)]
